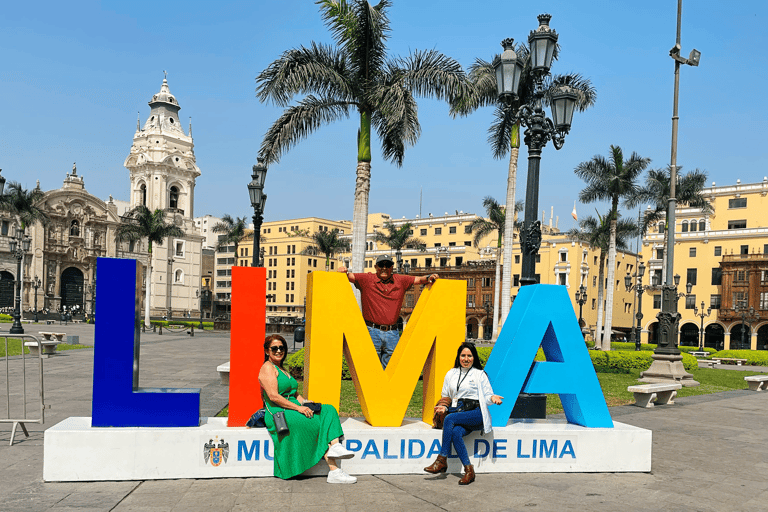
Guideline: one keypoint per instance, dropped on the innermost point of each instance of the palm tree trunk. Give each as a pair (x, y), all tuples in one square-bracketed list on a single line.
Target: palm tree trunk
[(509, 224), (360, 215), (496, 291), (600, 289), (611, 276)]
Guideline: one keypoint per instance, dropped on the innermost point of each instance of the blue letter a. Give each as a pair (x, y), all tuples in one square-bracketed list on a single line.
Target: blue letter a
[(542, 315)]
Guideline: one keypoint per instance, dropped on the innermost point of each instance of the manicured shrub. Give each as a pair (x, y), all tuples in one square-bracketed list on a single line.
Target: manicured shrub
[(753, 357), (623, 361), (5, 319)]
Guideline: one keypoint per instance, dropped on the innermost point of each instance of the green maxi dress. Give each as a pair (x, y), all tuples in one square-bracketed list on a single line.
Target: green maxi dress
[(307, 439)]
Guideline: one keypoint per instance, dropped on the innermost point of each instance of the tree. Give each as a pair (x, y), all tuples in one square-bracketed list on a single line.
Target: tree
[(482, 228), (328, 243), (23, 204), (234, 231), (656, 191), (597, 233), (140, 223), (611, 179), (399, 238), (504, 132), (356, 74)]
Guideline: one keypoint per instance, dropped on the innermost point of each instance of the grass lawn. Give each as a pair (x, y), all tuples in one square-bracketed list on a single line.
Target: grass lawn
[(614, 387), (14, 347)]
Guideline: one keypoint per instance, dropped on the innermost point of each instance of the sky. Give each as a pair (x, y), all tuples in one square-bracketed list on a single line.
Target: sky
[(75, 75)]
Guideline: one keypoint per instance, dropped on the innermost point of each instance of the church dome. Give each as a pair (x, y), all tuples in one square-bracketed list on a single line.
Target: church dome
[(164, 96)]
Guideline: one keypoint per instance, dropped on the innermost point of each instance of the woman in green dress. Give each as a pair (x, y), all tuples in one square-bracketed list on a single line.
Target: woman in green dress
[(310, 436)]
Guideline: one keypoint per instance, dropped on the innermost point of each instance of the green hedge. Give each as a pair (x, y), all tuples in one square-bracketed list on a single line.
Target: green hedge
[(618, 345), (182, 323), (5, 319), (753, 357), (623, 361)]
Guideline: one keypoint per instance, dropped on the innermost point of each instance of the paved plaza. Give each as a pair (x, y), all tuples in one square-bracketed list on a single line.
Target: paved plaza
[(709, 453)]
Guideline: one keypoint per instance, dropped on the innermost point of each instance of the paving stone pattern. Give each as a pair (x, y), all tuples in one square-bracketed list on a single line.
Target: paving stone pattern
[(710, 453)]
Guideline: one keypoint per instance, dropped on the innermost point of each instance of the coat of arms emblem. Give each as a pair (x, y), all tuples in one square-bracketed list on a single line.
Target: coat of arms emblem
[(216, 453)]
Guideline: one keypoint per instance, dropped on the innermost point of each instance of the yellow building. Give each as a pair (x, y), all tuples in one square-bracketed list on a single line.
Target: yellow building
[(725, 257)]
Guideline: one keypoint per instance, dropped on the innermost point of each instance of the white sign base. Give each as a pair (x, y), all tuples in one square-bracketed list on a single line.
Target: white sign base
[(75, 451)]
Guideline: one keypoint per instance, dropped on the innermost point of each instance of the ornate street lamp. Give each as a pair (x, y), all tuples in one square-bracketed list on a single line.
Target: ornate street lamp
[(488, 311), (258, 202), (19, 247), (36, 283), (539, 128), (748, 316), (581, 298), (639, 288), (92, 291), (406, 267), (703, 315)]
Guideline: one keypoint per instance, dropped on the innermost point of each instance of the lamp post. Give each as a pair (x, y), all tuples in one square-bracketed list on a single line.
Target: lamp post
[(703, 315), (539, 128), (258, 202), (748, 316), (36, 283), (92, 291), (581, 298), (639, 288), (406, 267), (488, 310), (399, 259), (19, 247), (667, 363)]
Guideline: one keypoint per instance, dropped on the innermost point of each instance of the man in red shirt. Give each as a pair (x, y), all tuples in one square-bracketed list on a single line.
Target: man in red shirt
[(382, 297)]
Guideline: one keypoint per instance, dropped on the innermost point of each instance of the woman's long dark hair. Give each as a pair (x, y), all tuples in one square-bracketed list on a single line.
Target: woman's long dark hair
[(268, 341), (475, 358)]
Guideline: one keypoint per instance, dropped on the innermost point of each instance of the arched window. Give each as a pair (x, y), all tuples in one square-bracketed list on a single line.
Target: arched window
[(143, 192), (174, 197), (178, 276), (660, 227), (684, 227), (702, 225), (131, 246), (694, 225), (74, 228)]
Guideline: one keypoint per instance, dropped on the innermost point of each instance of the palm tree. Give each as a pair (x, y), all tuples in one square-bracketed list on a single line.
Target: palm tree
[(611, 179), (355, 75), (597, 232), (504, 132), (398, 238), (688, 192), (482, 228), (328, 243), (234, 230), (140, 223), (24, 204)]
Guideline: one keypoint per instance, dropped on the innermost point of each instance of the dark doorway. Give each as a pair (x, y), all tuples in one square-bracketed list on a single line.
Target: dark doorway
[(487, 331), (72, 288), (714, 336), (472, 329), (741, 338), (762, 338), (689, 335), (6, 289), (653, 333)]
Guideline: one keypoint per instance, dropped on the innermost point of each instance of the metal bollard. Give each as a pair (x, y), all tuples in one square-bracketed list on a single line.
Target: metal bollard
[(192, 331)]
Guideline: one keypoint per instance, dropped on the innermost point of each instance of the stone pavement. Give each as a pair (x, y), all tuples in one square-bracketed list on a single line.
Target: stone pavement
[(710, 453)]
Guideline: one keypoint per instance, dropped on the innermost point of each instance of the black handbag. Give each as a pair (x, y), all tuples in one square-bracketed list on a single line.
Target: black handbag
[(257, 419), (281, 426), (315, 407)]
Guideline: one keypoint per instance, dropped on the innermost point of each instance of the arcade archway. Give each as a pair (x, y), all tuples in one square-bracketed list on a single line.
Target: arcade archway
[(6, 289), (71, 291), (762, 337), (741, 337), (689, 335), (714, 336)]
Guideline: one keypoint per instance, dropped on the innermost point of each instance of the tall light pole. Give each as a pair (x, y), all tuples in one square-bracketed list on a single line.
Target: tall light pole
[(667, 361), (702, 315), (639, 288), (258, 202), (581, 298), (19, 247), (748, 316), (539, 128), (36, 284)]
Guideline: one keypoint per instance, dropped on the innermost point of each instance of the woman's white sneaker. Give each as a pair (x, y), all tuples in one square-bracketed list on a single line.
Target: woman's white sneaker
[(337, 476), (337, 451)]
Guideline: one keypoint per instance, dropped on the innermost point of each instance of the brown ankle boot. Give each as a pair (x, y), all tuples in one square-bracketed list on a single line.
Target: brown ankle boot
[(469, 475), (439, 466)]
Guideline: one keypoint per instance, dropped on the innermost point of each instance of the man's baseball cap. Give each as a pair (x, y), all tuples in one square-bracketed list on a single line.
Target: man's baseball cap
[(384, 257)]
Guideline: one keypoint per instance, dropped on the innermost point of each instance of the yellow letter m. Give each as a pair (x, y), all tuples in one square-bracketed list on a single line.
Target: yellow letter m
[(429, 343)]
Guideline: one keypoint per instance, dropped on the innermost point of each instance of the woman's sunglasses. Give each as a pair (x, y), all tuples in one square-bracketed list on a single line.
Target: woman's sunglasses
[(277, 349)]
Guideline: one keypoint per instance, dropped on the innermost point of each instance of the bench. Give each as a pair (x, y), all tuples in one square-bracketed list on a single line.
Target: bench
[(48, 336), (706, 363), (757, 382), (223, 370), (663, 393), (49, 347), (728, 360), (699, 354)]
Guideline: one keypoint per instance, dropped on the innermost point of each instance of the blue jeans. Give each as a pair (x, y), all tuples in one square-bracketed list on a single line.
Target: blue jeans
[(385, 343), (457, 425)]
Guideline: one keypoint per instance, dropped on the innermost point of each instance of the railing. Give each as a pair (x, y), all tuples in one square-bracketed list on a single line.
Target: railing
[(20, 366), (742, 257)]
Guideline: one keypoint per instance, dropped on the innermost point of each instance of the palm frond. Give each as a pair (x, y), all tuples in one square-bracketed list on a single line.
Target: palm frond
[(500, 131), (430, 73)]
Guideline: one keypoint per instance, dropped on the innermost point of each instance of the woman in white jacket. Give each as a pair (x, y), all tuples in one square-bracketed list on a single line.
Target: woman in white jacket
[(465, 398)]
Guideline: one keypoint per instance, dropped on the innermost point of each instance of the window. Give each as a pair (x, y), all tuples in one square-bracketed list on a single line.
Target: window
[(470, 301), (438, 244), (718, 250), (452, 230), (657, 302), (4, 231), (692, 252), (517, 258), (467, 243), (332, 265), (180, 248), (414, 263), (739, 202), (467, 229), (132, 246), (660, 227), (516, 280), (563, 257), (764, 276), (178, 276), (684, 227), (739, 298), (487, 282), (714, 301), (691, 276), (659, 254), (438, 231), (594, 280), (427, 262), (693, 225), (293, 271), (451, 244), (410, 232), (288, 274), (287, 285), (690, 301), (741, 275), (409, 300), (656, 277), (314, 263), (143, 193), (702, 225), (744, 249), (173, 197), (737, 224), (538, 258), (459, 261), (561, 279), (594, 304), (717, 276), (763, 300), (470, 282), (423, 232)]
